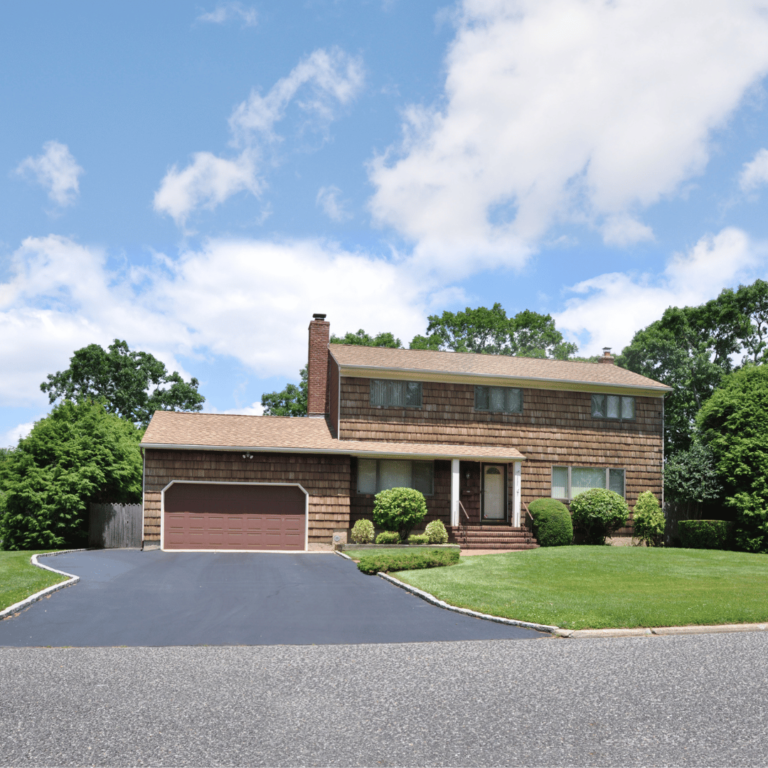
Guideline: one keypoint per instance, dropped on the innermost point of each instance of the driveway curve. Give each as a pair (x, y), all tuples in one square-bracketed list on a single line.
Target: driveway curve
[(133, 598)]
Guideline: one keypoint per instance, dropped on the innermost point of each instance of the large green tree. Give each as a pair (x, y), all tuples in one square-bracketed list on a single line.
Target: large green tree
[(132, 384), (691, 349), (490, 331), (77, 454), (363, 339), (734, 425)]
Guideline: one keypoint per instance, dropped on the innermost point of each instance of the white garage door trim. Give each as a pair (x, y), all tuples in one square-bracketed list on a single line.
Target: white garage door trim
[(223, 482)]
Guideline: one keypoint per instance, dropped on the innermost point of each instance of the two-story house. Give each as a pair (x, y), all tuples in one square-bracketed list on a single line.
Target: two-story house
[(481, 436)]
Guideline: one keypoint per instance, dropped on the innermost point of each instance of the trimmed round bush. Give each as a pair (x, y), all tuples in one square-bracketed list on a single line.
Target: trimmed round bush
[(705, 534), (399, 509), (648, 520), (388, 537), (362, 532), (419, 538), (436, 532), (597, 513), (552, 525)]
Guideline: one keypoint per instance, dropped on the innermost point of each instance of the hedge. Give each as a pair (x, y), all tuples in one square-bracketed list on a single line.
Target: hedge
[(407, 561), (552, 524), (706, 534)]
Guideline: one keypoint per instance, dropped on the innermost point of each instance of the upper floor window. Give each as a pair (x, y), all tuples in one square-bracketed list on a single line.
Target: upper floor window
[(374, 475), (499, 399), (395, 394), (617, 407)]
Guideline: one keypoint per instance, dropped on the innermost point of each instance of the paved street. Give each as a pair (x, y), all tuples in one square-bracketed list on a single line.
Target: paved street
[(689, 701), (127, 597)]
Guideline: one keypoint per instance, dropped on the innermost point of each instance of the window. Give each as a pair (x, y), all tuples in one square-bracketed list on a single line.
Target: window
[(617, 407), (374, 475), (499, 399), (567, 482), (395, 394)]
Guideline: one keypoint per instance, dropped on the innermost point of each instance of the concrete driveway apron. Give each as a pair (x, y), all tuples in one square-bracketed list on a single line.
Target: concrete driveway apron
[(128, 597)]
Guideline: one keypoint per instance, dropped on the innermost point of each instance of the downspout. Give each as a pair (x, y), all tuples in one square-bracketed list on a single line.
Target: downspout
[(143, 476)]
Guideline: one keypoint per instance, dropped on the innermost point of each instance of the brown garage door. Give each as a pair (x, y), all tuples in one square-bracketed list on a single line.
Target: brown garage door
[(201, 516)]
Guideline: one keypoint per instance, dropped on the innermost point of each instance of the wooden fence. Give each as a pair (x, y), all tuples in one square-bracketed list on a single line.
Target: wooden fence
[(114, 526)]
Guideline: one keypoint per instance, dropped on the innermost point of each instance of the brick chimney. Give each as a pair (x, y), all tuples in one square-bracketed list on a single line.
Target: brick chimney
[(317, 365), (607, 356)]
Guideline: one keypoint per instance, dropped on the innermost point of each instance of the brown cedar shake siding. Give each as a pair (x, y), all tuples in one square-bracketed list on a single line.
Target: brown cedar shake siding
[(556, 428), (325, 478)]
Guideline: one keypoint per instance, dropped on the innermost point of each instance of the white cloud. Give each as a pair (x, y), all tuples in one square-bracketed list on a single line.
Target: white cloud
[(325, 79), (205, 183), (11, 438), (249, 300), (225, 12), (612, 307), (56, 170), (565, 110), (334, 208), (754, 174), (333, 78), (255, 409), (624, 230)]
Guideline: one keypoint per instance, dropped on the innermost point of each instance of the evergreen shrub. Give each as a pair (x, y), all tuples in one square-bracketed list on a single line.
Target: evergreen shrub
[(706, 534), (388, 537), (436, 532), (597, 513), (362, 532), (405, 560), (649, 520), (420, 538), (399, 509), (552, 525)]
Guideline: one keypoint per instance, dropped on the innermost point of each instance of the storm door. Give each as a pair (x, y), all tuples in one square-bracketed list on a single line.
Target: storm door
[(494, 495)]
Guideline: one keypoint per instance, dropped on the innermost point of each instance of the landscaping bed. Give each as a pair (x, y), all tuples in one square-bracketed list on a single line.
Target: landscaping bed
[(19, 578), (600, 587)]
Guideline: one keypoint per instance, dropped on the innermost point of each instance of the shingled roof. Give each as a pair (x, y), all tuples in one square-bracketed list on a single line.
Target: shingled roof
[(213, 431), (469, 364)]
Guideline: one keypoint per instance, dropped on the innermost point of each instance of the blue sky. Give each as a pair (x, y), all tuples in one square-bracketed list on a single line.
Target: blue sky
[(198, 179)]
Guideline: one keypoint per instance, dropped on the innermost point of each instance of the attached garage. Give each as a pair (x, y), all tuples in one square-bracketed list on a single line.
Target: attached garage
[(234, 516)]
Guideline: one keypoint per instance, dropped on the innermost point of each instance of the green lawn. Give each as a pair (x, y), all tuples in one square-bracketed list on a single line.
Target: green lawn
[(582, 587), (20, 579)]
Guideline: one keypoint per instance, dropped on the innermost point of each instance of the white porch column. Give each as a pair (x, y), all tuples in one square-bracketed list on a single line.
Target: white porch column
[(455, 480), (516, 493)]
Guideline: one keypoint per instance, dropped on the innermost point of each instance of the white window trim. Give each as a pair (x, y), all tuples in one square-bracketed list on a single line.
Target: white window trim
[(378, 474), (569, 497)]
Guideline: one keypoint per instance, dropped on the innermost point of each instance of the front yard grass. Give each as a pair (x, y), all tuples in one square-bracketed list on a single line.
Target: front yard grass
[(20, 579), (581, 587)]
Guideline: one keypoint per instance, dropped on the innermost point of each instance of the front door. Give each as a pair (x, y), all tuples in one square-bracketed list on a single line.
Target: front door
[(494, 498)]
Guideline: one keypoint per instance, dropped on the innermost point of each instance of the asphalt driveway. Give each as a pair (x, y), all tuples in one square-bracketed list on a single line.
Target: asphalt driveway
[(132, 598)]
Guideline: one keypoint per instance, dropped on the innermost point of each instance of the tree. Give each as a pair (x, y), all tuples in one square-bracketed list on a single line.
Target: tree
[(734, 424), (76, 455), (490, 331), (363, 339), (691, 348), (292, 401), (691, 479), (131, 384)]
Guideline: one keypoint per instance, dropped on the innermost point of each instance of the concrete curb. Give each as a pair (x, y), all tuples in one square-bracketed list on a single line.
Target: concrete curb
[(16, 607), (487, 617), (341, 554)]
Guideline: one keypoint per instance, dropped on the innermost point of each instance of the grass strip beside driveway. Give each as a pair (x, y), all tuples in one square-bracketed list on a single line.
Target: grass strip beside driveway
[(581, 587), (19, 578)]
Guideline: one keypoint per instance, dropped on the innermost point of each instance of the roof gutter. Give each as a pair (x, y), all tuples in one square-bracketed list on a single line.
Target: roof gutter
[(335, 451)]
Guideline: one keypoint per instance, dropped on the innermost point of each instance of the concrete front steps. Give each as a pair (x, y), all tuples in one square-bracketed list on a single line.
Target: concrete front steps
[(504, 537)]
